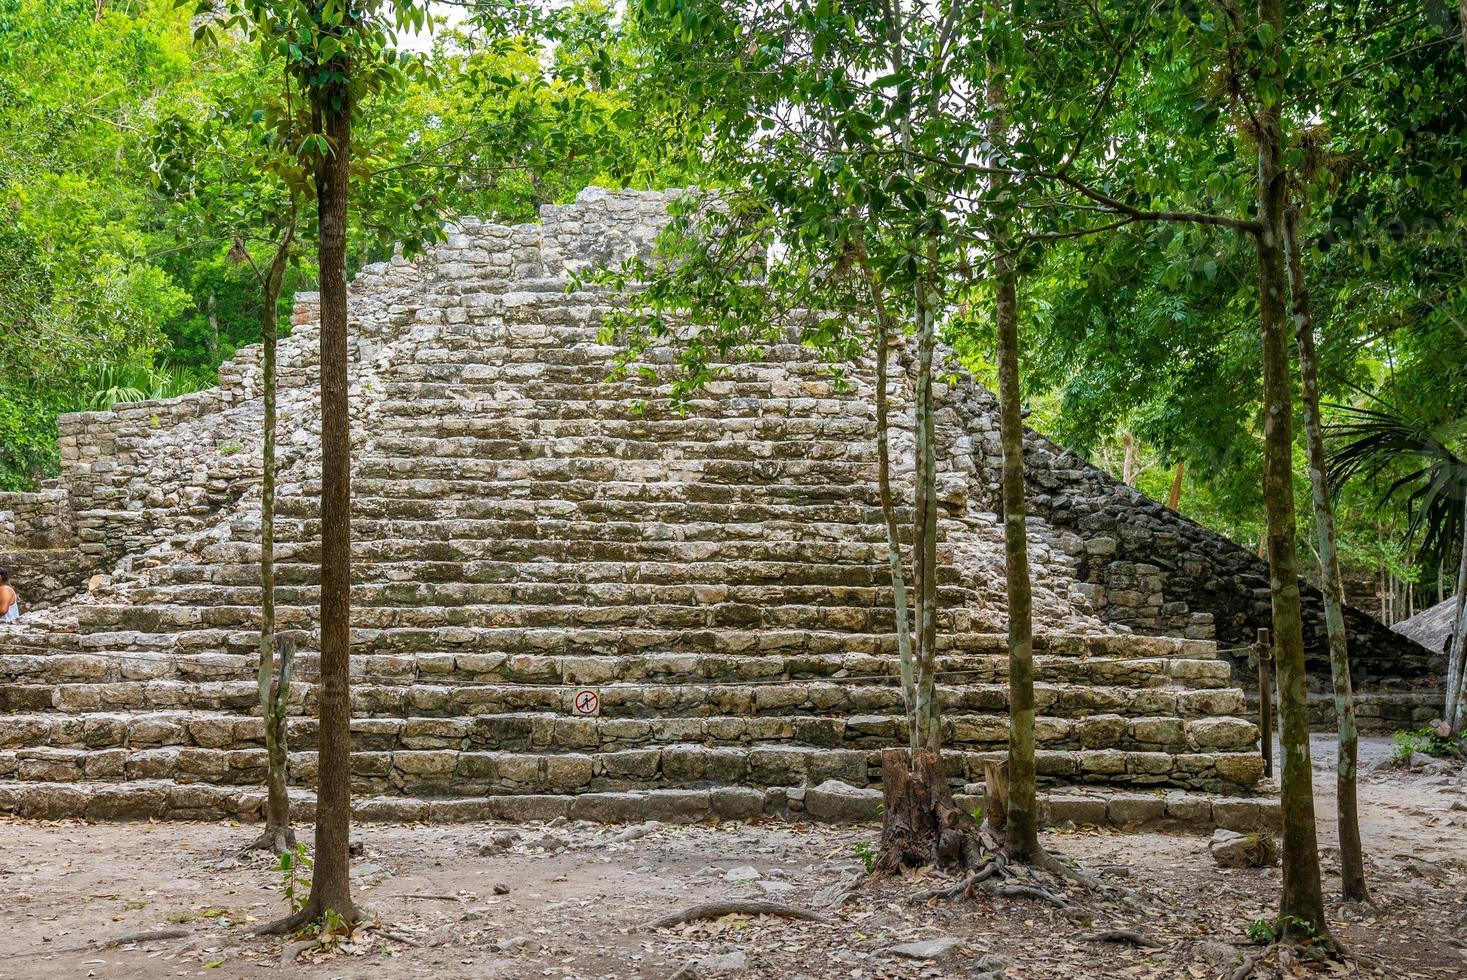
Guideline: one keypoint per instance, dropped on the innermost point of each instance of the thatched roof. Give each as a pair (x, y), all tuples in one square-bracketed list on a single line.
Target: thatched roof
[(1430, 627)]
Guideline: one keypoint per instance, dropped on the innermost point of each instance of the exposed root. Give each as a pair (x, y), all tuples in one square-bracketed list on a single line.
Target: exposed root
[(153, 936), (962, 887), (1125, 936), (396, 937), (717, 910), (312, 911), (1056, 865), (275, 840), (1290, 954), (1030, 891)]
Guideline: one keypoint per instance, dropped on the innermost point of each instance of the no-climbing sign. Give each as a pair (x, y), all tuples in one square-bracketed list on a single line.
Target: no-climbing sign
[(586, 703)]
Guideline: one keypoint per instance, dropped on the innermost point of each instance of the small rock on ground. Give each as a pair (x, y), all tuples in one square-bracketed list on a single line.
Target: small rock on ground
[(927, 949)]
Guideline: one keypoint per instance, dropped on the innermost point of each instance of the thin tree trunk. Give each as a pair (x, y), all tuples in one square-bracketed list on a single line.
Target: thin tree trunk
[(331, 881), (924, 542), (1301, 909), (1129, 464), (1174, 499), (884, 329), (1022, 832), (1023, 814), (1456, 715), (1352, 862), (278, 835), (1462, 24)]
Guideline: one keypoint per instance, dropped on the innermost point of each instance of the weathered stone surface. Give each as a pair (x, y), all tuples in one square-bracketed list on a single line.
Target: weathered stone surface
[(715, 577), (836, 802), (928, 949), (1234, 850)]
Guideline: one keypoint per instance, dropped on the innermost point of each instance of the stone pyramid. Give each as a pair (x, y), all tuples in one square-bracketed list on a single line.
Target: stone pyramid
[(526, 532)]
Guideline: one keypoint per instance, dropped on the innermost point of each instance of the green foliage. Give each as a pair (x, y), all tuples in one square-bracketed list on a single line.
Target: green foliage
[(145, 179), (109, 384), (294, 869), (1427, 741), (866, 854), (1261, 932), (1372, 443)]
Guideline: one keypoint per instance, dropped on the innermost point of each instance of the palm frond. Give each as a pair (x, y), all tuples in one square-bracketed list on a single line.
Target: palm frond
[(1372, 443)]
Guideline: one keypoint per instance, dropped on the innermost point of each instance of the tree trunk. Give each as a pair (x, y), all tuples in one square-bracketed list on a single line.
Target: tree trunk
[(1130, 463), (884, 329), (924, 540), (1352, 863), (331, 881), (1456, 715), (1022, 837), (1301, 910), (274, 692), (1462, 24), (1023, 813), (1174, 499)]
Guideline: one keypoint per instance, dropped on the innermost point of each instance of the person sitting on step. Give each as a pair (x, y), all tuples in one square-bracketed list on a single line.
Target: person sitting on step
[(9, 601)]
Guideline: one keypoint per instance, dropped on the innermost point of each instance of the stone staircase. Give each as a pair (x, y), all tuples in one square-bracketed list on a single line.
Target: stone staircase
[(716, 572)]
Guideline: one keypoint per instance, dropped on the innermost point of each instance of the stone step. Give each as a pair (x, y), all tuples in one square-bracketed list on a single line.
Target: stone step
[(795, 473), (242, 568), (478, 345), (510, 394), (546, 732), (501, 668), (582, 365), (594, 510), (643, 700), (601, 447), (175, 617), (421, 400), (697, 492), (417, 641), (171, 800), (451, 772), (650, 430), (407, 595), (443, 528)]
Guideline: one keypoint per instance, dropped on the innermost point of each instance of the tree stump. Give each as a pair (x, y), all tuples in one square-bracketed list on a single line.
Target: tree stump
[(922, 824), (996, 798)]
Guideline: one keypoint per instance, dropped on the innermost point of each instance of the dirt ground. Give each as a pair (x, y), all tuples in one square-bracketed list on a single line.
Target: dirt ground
[(571, 901)]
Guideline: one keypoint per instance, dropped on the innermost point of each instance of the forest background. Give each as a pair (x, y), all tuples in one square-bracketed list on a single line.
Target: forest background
[(119, 281)]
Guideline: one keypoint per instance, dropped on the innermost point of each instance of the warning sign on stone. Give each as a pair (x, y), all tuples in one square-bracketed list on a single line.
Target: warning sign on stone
[(586, 704)]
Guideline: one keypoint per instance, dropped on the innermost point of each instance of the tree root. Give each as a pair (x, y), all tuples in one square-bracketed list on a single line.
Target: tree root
[(1127, 936), (311, 912), (717, 910), (1060, 867), (276, 840), (152, 936), (1322, 950), (962, 887)]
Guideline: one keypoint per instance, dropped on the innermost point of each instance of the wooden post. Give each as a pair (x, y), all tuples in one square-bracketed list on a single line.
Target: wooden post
[(1265, 699)]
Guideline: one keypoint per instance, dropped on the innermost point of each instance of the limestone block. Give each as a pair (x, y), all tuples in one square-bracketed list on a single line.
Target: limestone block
[(835, 801)]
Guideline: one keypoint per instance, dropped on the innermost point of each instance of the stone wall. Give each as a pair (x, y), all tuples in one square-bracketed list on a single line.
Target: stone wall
[(37, 544), (35, 520), (1151, 569)]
